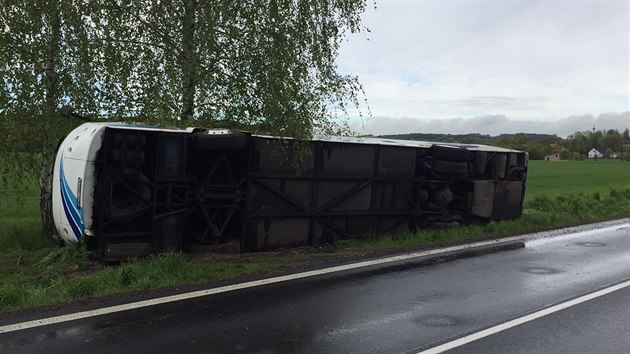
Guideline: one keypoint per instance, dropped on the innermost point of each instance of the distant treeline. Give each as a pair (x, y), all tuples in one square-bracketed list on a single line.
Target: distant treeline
[(612, 143), (475, 138)]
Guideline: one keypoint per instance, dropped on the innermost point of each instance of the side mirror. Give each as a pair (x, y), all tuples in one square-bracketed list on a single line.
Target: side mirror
[(68, 111)]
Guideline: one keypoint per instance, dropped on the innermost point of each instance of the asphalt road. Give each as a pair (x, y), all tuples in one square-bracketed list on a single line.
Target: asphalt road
[(599, 326), (407, 309)]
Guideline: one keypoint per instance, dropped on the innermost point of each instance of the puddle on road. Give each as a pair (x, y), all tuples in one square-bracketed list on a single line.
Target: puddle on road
[(438, 321), (590, 244), (541, 270), (437, 296)]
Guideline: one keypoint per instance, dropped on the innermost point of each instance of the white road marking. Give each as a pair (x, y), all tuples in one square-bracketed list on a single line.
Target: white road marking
[(251, 284), (518, 321)]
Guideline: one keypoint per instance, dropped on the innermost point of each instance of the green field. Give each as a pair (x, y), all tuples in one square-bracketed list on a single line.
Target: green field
[(20, 225), (552, 178), (33, 272)]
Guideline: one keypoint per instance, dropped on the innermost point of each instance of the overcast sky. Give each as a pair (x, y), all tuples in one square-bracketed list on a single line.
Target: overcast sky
[(492, 66)]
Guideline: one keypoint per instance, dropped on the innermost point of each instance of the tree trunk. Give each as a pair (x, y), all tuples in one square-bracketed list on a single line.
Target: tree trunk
[(48, 146), (188, 60), (45, 193)]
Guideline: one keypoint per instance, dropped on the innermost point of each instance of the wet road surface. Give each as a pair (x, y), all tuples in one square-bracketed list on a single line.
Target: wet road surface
[(402, 310), (598, 326)]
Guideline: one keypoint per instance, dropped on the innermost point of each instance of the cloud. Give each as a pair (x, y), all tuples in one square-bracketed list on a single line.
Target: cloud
[(526, 60), (492, 125)]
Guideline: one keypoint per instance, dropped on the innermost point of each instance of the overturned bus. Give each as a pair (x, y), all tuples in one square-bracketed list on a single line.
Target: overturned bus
[(131, 189)]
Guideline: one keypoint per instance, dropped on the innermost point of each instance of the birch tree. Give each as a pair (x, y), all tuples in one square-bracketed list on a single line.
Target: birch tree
[(261, 65), (45, 61)]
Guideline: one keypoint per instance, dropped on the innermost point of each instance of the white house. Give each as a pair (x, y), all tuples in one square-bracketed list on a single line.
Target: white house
[(594, 153)]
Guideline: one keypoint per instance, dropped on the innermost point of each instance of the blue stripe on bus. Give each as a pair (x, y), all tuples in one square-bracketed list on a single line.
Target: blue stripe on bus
[(74, 214), (70, 199)]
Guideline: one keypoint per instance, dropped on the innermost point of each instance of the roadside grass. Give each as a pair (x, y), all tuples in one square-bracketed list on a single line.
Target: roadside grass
[(34, 272), (66, 274)]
